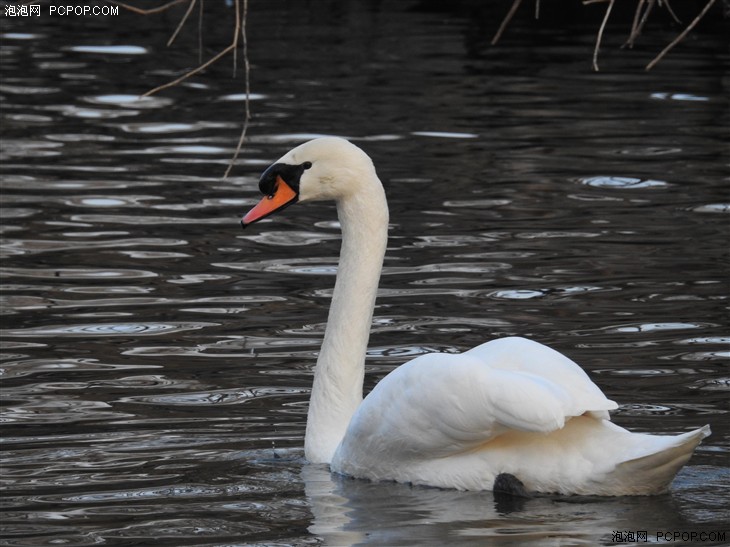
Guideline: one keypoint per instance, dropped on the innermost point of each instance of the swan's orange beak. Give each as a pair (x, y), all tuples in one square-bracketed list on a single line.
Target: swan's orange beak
[(282, 196)]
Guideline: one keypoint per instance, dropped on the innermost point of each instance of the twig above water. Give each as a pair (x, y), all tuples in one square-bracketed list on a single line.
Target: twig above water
[(247, 74), (681, 36), (241, 15), (643, 10), (599, 37)]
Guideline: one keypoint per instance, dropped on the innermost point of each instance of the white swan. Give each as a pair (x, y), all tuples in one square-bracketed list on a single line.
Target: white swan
[(507, 407)]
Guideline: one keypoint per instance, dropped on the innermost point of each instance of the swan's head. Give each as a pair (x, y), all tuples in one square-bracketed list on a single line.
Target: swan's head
[(325, 168)]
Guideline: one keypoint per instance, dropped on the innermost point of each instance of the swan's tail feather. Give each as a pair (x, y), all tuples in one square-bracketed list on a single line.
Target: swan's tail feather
[(653, 473)]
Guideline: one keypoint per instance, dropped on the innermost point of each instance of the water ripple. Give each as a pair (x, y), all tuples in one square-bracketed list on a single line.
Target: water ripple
[(712, 208), (116, 49), (37, 246), (108, 329), (21, 36), (128, 101), (145, 219), (654, 327), (28, 367), (22, 182), (49, 409), (305, 265), (292, 238), (109, 201), (624, 183), (713, 384), (217, 397), (445, 135), (24, 148), (28, 302), (169, 127), (248, 347), (519, 294), (76, 273), (705, 340), (678, 96), (478, 203), (27, 90)]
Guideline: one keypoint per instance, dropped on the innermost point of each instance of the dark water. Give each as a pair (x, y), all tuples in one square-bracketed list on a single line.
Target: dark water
[(156, 359)]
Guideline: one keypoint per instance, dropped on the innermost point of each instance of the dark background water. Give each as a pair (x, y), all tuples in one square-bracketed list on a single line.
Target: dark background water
[(156, 360)]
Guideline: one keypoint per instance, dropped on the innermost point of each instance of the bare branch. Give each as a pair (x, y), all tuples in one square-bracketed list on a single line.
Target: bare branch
[(241, 15), (200, 33), (247, 72), (671, 11), (192, 72), (231, 47), (600, 35), (681, 36), (638, 22), (506, 20), (235, 35), (182, 22)]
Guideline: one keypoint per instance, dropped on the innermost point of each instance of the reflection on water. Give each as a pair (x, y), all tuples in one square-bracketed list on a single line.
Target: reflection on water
[(352, 512), (156, 360)]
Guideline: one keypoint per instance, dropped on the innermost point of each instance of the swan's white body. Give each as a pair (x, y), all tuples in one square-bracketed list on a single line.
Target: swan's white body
[(454, 421)]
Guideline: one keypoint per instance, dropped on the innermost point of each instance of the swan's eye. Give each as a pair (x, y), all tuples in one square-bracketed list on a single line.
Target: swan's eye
[(307, 164)]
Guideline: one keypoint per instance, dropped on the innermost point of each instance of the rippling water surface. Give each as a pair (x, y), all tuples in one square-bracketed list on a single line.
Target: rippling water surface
[(156, 360)]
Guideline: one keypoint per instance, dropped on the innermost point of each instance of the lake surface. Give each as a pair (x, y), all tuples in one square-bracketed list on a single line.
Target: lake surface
[(156, 360)]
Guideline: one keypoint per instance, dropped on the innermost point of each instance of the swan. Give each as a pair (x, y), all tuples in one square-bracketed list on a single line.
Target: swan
[(509, 408)]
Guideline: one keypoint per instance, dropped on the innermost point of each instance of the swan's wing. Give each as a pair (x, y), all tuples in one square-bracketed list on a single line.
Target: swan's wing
[(446, 403), (522, 355)]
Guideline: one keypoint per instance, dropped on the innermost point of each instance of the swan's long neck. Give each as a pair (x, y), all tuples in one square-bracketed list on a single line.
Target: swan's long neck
[(340, 369)]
